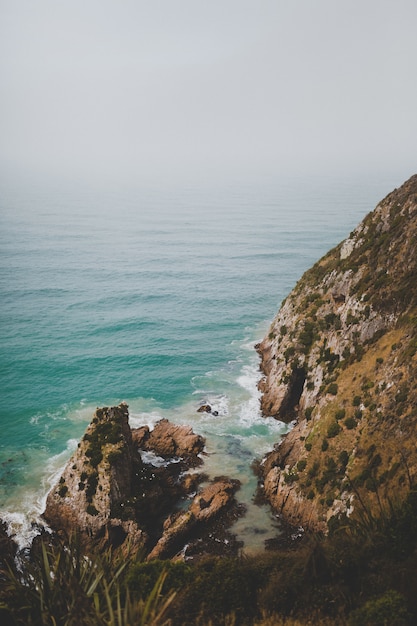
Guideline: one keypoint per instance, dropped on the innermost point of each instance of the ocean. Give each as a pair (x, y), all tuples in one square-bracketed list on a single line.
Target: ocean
[(154, 296)]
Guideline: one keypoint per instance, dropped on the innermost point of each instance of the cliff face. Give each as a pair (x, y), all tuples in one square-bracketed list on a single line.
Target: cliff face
[(340, 361)]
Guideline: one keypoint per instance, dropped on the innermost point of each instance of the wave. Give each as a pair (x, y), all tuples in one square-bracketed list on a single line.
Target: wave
[(23, 517)]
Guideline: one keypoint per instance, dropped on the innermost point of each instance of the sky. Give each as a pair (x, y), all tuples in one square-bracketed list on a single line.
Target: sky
[(134, 89)]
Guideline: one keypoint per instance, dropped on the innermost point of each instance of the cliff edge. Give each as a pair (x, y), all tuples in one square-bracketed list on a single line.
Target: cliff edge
[(339, 361)]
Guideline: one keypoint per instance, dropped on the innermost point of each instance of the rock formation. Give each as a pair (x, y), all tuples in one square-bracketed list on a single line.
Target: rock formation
[(340, 362), (169, 440), (205, 508), (123, 483)]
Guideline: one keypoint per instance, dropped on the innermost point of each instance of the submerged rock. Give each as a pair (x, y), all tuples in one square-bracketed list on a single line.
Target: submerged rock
[(204, 408)]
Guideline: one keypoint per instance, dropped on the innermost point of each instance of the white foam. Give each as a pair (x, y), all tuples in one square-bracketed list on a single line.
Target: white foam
[(23, 522), (150, 458), (20, 528), (136, 420), (218, 404)]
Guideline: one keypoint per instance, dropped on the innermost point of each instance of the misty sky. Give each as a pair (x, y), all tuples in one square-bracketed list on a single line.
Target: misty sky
[(132, 89)]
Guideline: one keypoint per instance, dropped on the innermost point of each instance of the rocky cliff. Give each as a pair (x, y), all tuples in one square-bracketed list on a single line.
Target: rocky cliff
[(136, 488), (340, 362)]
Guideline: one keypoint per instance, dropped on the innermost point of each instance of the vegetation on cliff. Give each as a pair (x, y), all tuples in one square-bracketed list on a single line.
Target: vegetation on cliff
[(352, 578), (340, 360)]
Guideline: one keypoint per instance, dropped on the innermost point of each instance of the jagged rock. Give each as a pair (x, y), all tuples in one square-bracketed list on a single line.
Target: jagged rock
[(140, 436), (97, 478), (8, 547), (106, 491), (213, 501), (339, 363), (109, 494), (169, 440), (204, 408)]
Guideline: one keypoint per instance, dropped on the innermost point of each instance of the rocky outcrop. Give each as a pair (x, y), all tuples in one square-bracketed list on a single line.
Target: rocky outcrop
[(215, 500), (206, 408), (339, 361), (122, 483), (169, 440), (97, 479)]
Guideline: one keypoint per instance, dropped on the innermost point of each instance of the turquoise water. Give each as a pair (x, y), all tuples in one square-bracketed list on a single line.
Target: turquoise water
[(155, 297)]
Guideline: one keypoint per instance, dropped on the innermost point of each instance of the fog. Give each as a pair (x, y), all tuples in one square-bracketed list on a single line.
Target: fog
[(135, 90)]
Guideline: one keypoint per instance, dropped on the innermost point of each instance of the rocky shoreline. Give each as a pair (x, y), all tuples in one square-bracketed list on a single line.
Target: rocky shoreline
[(338, 362), (139, 489)]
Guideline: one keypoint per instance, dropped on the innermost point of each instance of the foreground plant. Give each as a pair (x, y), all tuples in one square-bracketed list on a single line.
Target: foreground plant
[(61, 586)]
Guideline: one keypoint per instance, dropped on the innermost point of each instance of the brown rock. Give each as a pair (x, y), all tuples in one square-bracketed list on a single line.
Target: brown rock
[(204, 408), (110, 495), (140, 436), (97, 478), (169, 440), (214, 501)]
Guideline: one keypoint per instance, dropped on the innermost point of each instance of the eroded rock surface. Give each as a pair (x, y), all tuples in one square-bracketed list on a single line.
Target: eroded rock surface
[(136, 484), (215, 500)]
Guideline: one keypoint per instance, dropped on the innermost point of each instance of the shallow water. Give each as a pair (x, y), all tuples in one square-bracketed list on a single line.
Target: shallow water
[(155, 297)]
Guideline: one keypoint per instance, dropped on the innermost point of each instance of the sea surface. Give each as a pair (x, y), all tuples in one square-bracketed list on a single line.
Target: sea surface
[(155, 296)]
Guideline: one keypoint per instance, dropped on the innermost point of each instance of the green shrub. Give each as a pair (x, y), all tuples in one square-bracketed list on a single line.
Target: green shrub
[(91, 510), (62, 491), (142, 577), (301, 465), (313, 470), (332, 389), (57, 585), (95, 455), (333, 430), (340, 414), (290, 478), (350, 423), (92, 482), (221, 587), (390, 609), (114, 455), (288, 353), (344, 458)]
